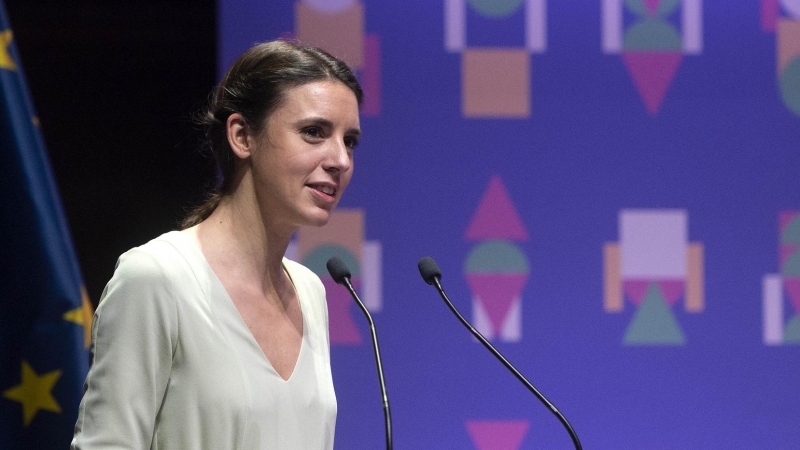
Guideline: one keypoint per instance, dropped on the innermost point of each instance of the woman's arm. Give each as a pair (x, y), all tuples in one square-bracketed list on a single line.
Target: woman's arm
[(133, 338)]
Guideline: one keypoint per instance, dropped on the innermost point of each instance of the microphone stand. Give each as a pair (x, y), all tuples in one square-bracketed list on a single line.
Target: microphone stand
[(387, 416), (509, 366)]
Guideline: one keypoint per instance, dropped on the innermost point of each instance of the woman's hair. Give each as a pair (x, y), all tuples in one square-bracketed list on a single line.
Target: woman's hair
[(255, 86)]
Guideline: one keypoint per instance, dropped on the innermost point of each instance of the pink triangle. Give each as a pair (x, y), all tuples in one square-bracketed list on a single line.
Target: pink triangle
[(792, 286), (636, 289), (496, 292), (341, 327), (672, 290), (496, 434), (652, 74), (652, 6), (496, 217)]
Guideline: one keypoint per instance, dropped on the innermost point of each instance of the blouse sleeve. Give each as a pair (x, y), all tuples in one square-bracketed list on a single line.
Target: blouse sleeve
[(134, 335)]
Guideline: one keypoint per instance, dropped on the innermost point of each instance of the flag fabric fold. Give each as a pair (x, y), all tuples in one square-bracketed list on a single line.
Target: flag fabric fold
[(45, 315)]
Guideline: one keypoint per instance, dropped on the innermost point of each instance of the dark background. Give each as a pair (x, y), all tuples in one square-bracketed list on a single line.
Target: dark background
[(114, 85)]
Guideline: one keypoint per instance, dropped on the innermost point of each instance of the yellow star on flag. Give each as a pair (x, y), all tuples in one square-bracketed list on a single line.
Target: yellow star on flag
[(83, 317), (5, 58), (34, 392)]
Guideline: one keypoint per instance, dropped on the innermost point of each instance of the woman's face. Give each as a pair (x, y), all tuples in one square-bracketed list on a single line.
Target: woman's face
[(303, 159)]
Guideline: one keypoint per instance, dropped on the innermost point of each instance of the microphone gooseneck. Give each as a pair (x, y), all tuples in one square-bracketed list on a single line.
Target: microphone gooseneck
[(432, 275), (341, 275)]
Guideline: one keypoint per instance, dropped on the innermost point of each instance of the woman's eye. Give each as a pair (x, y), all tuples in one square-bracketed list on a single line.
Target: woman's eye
[(351, 142), (312, 132)]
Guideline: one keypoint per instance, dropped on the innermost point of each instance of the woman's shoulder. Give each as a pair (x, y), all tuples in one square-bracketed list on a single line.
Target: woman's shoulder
[(305, 279), (162, 259)]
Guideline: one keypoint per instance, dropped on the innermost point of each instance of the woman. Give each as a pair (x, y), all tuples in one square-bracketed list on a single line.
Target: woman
[(208, 338)]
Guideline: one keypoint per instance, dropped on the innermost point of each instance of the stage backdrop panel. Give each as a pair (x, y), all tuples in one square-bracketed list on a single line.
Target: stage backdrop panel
[(612, 191)]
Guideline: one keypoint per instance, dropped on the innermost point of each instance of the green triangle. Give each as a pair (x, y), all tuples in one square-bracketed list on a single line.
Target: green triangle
[(791, 267), (791, 334), (791, 234), (654, 323)]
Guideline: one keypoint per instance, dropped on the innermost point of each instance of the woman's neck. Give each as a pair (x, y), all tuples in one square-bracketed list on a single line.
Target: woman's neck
[(237, 237)]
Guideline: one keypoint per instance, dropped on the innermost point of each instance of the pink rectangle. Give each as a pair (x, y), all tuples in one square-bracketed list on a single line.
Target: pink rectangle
[(769, 15), (371, 75)]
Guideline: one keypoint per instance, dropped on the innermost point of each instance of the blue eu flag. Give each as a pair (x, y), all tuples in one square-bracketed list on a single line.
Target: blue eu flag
[(45, 316)]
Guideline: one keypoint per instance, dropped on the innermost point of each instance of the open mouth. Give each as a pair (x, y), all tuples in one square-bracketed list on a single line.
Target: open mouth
[(328, 190)]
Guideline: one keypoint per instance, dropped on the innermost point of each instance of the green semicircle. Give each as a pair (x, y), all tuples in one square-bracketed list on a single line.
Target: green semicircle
[(652, 35), (317, 259), (496, 256)]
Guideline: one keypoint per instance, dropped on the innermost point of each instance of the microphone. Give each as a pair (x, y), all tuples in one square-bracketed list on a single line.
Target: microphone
[(341, 275), (432, 275)]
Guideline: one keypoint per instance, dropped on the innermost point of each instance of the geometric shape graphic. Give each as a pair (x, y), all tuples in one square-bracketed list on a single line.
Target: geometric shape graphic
[(788, 42), (345, 228), (652, 73), (372, 276), (789, 227), (791, 334), (495, 8), (636, 290), (653, 243), (341, 324), (455, 25), (338, 27), (496, 217), (787, 50), (496, 272), (497, 434), (792, 289), (790, 85), (495, 293), (370, 75), (510, 327), (653, 323), (695, 278), (342, 236), (536, 25), (496, 257), (496, 83), (792, 8), (772, 309), (783, 288), (769, 15), (496, 269), (653, 266), (340, 33), (329, 6), (652, 48), (612, 278)]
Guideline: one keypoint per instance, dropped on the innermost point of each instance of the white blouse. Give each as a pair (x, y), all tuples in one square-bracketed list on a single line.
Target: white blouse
[(176, 367)]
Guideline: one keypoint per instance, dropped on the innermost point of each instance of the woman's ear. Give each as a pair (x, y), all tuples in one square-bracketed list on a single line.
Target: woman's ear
[(239, 136)]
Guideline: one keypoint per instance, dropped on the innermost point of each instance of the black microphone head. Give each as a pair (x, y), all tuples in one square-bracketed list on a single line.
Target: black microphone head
[(429, 270), (338, 269)]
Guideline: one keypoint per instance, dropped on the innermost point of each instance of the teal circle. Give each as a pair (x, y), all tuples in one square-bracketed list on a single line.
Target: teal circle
[(495, 8), (652, 34), (665, 7), (790, 85), (317, 259), (496, 257)]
